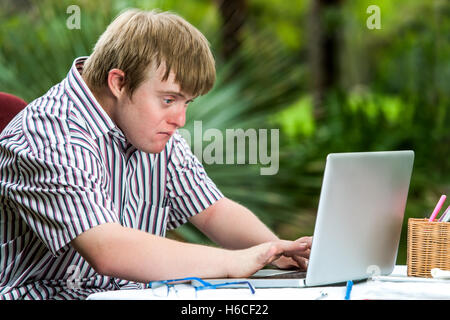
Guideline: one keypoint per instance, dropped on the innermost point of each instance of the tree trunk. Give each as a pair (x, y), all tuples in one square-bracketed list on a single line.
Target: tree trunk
[(234, 14), (323, 30)]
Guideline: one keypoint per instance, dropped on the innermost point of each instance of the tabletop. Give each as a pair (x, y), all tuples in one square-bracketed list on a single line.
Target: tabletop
[(396, 286)]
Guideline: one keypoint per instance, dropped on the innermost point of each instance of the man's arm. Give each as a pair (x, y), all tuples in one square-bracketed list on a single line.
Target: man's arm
[(233, 226), (131, 254)]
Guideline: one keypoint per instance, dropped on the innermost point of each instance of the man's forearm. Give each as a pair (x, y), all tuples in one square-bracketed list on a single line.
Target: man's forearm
[(232, 226), (135, 255), (139, 256)]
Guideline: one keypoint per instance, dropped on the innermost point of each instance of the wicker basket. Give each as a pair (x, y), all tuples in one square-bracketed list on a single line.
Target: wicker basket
[(428, 247)]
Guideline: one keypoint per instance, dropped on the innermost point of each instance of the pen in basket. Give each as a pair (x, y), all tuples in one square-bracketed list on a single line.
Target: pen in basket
[(437, 208), (445, 216)]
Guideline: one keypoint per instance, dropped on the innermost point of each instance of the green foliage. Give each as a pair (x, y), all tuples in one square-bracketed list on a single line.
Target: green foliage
[(297, 120), (391, 93)]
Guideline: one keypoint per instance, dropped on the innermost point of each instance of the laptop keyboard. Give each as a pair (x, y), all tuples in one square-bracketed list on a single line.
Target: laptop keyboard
[(286, 275)]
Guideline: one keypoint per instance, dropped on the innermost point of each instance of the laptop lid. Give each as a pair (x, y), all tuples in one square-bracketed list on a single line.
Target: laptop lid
[(360, 216)]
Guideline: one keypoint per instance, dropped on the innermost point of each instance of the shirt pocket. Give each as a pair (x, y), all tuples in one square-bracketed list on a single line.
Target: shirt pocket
[(149, 218)]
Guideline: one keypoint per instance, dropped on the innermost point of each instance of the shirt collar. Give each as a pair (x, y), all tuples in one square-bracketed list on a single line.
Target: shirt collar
[(79, 93)]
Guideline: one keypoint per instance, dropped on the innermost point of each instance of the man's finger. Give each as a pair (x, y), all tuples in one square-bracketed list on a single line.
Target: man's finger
[(291, 246), (306, 240), (302, 262), (298, 253)]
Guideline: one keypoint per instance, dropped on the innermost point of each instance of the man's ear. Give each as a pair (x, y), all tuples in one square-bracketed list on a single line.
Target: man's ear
[(116, 82)]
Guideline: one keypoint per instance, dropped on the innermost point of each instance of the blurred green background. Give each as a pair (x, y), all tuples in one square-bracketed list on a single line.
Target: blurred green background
[(313, 69)]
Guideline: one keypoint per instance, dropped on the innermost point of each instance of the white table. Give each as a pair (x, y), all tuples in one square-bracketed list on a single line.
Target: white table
[(397, 286)]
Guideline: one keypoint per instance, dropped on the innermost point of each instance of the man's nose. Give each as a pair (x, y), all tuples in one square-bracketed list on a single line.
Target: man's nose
[(178, 117)]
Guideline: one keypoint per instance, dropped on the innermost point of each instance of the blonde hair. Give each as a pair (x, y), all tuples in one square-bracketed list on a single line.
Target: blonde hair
[(139, 40)]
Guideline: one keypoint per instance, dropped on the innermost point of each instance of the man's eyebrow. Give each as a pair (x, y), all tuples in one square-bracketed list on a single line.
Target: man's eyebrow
[(175, 93)]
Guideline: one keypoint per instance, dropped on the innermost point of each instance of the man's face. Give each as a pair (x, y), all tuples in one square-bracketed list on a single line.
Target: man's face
[(156, 109)]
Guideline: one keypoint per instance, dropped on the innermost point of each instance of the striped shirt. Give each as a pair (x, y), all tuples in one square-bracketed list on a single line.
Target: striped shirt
[(65, 167)]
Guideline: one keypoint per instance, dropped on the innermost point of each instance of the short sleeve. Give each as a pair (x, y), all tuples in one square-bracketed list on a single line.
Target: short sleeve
[(190, 190), (61, 194)]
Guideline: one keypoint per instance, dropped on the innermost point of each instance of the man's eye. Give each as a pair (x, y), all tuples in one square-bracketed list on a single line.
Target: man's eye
[(168, 101)]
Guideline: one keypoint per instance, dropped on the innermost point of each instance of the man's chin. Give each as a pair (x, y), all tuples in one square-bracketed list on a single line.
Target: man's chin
[(151, 149)]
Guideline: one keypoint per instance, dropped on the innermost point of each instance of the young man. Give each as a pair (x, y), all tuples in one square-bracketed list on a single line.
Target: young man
[(94, 172)]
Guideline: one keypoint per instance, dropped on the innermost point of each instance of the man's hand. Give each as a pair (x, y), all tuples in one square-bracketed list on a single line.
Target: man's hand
[(296, 259), (233, 226), (247, 261)]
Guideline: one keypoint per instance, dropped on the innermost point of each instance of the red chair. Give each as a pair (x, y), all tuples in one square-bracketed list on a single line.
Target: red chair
[(9, 106)]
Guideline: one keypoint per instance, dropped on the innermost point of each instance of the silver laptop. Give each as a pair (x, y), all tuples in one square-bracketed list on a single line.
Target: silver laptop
[(358, 224)]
